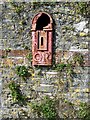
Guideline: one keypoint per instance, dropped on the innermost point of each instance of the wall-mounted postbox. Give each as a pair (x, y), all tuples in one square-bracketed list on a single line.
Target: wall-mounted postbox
[(42, 39)]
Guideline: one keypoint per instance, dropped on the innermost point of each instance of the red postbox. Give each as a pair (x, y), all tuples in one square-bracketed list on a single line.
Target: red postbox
[(42, 39)]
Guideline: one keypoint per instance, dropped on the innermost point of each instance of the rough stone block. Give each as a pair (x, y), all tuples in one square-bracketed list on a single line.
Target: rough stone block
[(18, 53), (44, 88)]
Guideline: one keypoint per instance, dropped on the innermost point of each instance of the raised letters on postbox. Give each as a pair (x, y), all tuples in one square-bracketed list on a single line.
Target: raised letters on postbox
[(42, 39)]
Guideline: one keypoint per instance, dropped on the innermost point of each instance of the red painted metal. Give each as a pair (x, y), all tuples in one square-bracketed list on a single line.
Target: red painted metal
[(42, 40)]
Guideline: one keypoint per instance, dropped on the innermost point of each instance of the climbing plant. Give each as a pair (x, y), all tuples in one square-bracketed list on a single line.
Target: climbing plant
[(84, 111), (17, 8), (16, 93), (22, 71), (45, 108), (78, 59), (29, 57), (83, 8)]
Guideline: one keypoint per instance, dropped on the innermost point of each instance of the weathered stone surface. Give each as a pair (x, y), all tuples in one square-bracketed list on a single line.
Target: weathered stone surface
[(80, 26), (44, 88), (70, 35), (0, 87)]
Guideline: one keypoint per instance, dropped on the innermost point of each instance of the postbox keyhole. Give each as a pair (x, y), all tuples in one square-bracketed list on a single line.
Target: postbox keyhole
[(41, 41)]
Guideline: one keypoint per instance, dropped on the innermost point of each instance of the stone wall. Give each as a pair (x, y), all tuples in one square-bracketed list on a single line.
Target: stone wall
[(70, 35)]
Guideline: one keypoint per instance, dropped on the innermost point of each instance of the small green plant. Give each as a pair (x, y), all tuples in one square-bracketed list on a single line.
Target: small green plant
[(69, 69), (82, 7), (26, 47), (78, 58), (18, 8), (65, 69), (46, 108), (84, 111), (22, 71), (8, 49), (29, 57), (5, 53), (68, 28), (15, 92), (36, 108), (60, 66)]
